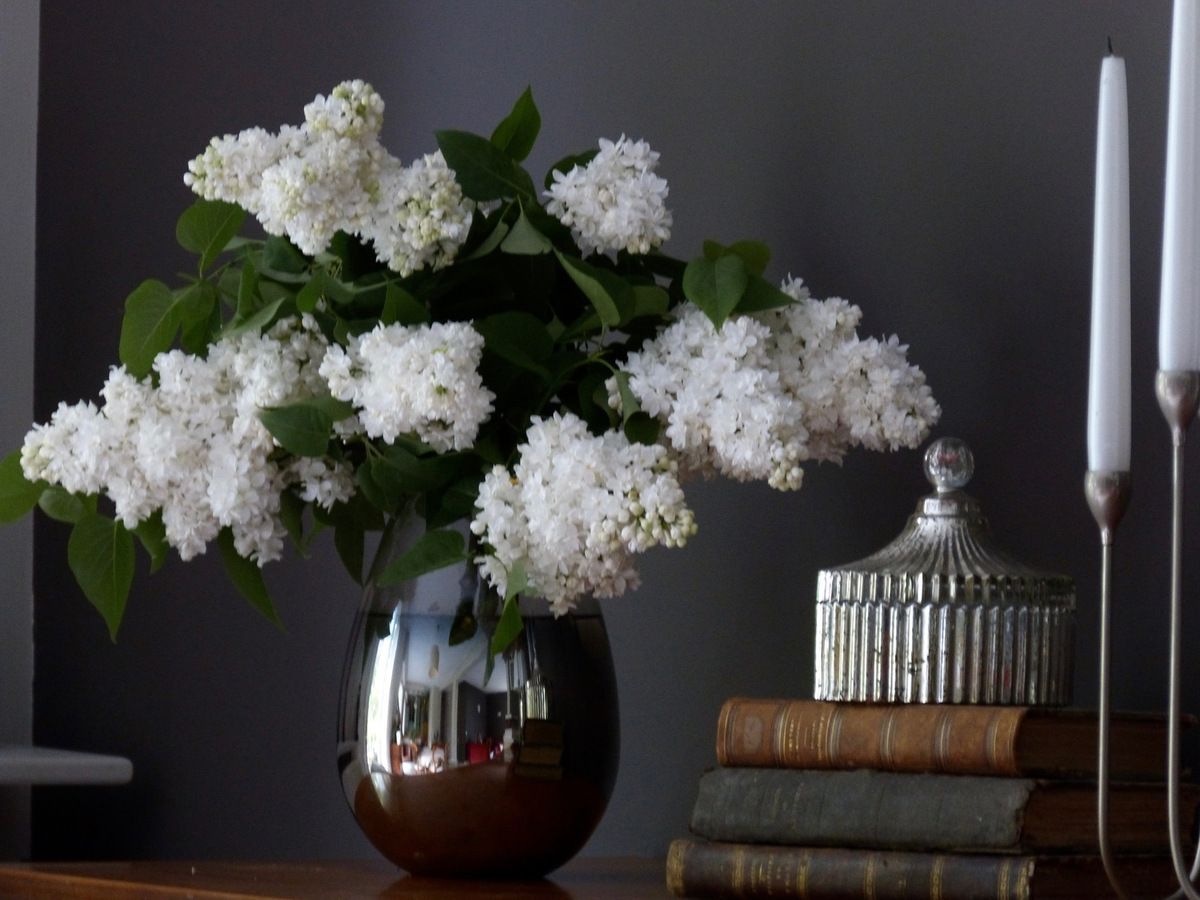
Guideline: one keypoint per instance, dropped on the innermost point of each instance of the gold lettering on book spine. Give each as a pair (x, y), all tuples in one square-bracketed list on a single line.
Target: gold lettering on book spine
[(869, 877), (1000, 741), (887, 739), (1015, 886), (935, 878), (810, 734), (836, 718), (942, 727), (1003, 878), (1024, 886), (675, 857), (802, 874), (760, 876), (739, 870), (725, 730), (785, 734)]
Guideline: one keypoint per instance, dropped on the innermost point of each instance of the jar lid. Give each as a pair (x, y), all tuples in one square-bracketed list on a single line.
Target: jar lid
[(943, 614)]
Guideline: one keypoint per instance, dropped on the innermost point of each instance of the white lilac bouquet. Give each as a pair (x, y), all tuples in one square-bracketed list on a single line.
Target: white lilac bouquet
[(446, 333)]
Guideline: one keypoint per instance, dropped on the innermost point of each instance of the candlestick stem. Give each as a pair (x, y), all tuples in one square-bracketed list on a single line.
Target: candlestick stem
[(1108, 496), (1178, 397)]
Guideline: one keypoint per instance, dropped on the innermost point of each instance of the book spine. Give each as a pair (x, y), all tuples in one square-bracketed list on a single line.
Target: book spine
[(700, 869), (861, 808), (810, 734)]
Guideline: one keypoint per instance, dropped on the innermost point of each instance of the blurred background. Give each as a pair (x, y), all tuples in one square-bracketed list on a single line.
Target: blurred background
[(931, 161)]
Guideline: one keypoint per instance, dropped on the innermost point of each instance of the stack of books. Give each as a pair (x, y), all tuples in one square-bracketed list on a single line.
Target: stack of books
[(841, 800)]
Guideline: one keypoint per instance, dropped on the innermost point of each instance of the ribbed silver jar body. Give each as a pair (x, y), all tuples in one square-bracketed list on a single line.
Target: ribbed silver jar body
[(953, 652), (942, 614)]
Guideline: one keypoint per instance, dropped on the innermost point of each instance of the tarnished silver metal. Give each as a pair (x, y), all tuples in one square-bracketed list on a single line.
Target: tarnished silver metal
[(1178, 392), (457, 766), (1107, 494), (942, 614), (1178, 397)]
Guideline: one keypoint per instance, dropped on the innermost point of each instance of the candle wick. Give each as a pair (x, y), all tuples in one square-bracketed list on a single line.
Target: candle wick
[(1110, 49)]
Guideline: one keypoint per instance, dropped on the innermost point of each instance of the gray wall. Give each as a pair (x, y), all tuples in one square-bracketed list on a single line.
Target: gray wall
[(18, 167), (931, 161)]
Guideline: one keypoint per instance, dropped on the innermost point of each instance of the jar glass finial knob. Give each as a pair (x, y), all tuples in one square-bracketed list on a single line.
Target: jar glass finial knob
[(949, 464)]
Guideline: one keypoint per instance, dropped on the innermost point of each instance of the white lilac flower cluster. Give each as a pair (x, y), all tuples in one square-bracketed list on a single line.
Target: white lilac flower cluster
[(193, 446), (766, 393), (421, 380), (615, 202), (575, 508), (331, 174)]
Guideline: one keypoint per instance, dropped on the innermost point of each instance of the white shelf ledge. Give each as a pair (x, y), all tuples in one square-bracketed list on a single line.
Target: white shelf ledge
[(43, 765)]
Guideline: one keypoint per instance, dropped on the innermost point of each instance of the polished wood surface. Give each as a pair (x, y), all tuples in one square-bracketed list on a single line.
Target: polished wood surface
[(582, 879)]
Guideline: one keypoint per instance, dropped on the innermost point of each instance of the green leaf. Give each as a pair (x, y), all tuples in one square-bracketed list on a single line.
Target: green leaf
[(152, 534), (716, 286), (207, 226), (519, 337), (357, 257), (383, 494), (300, 428), (519, 130), (281, 255), (492, 241), (17, 495), (149, 326), (596, 413), (629, 400), (336, 290), (509, 626), (307, 296), (433, 550), (291, 514), (518, 580), (484, 171), (465, 624), (649, 300), (567, 163), (402, 308), (456, 502), (100, 556), (255, 322), (642, 428), (333, 407), (755, 254), (429, 473), (195, 302), (61, 505), (588, 279), (195, 335), (348, 539), (247, 298), (247, 578), (761, 294), (525, 239)]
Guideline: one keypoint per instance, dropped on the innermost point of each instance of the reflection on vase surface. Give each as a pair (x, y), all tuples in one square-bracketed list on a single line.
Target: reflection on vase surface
[(454, 766)]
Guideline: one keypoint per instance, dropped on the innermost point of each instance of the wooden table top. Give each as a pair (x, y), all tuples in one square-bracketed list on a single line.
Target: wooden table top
[(581, 879)]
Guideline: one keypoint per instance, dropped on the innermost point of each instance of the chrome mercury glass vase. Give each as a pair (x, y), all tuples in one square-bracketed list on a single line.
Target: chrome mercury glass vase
[(457, 766)]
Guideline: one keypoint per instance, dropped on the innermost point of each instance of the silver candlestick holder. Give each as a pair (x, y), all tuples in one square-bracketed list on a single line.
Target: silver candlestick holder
[(1108, 496)]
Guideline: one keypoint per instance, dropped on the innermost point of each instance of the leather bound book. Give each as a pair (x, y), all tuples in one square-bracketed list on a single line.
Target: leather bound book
[(968, 740), (897, 811), (703, 869)]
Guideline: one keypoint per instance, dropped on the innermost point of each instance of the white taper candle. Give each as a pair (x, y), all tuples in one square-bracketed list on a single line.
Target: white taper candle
[(1108, 382), (1179, 314)]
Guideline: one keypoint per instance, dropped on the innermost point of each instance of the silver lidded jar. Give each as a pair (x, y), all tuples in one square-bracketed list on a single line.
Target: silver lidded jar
[(942, 614)]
